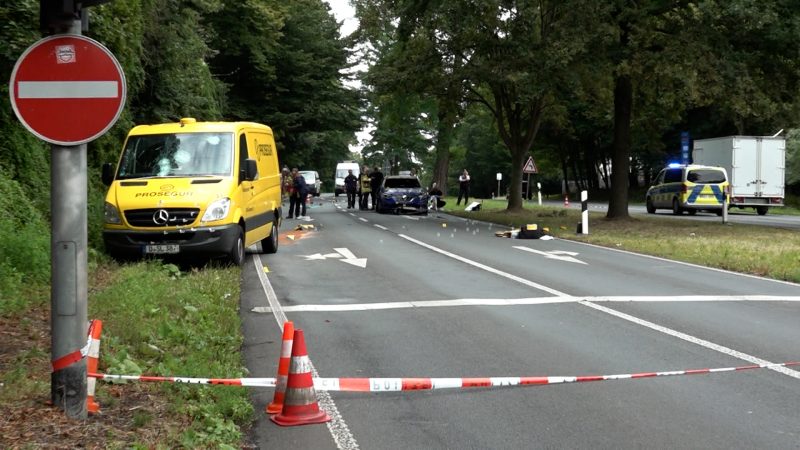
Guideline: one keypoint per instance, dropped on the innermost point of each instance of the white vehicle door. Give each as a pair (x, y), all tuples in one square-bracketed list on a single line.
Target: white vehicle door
[(744, 176)]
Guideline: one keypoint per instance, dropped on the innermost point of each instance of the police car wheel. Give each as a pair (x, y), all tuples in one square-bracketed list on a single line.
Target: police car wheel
[(676, 209), (650, 208)]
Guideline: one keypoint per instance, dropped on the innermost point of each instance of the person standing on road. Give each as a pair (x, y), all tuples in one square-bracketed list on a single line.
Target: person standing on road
[(286, 183), (376, 179), (300, 192), (463, 187), (351, 187), (290, 192), (366, 188)]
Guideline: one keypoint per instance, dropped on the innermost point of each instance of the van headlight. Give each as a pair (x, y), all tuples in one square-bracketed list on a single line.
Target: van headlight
[(217, 210), (111, 214)]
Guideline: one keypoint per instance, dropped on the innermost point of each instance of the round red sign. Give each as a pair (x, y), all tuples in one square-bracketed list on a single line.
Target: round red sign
[(67, 89)]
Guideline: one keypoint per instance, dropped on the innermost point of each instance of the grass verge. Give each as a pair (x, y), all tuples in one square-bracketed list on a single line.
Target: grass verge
[(156, 320), (765, 251)]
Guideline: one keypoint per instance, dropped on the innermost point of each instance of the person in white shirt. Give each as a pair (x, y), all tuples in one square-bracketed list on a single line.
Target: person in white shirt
[(463, 188)]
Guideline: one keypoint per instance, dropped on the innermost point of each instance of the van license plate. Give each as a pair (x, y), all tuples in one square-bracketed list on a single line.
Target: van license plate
[(161, 249)]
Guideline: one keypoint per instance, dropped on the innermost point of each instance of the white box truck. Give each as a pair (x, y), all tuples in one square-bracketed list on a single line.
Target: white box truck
[(756, 168)]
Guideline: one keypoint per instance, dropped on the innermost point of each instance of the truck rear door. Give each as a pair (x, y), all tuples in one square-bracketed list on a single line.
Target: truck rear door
[(772, 167), (744, 176)]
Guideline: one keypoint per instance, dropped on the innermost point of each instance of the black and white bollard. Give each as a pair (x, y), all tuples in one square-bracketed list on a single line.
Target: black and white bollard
[(584, 212)]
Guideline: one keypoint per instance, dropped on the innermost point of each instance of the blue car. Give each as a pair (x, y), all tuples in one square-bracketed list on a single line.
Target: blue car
[(402, 194)]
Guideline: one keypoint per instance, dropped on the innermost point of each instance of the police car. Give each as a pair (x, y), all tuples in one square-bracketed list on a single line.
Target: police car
[(689, 188)]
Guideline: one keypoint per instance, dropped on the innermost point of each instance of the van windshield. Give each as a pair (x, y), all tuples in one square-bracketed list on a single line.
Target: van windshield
[(342, 173), (177, 155), (708, 176)]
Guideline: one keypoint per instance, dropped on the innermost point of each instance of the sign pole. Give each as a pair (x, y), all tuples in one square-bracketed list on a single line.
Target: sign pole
[(69, 267)]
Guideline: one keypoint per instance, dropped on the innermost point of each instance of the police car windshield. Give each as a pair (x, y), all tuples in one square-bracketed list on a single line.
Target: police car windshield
[(177, 155), (707, 176), (401, 183)]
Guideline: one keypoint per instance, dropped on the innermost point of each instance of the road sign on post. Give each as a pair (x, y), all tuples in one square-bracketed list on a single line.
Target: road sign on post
[(67, 89), (685, 147), (530, 166)]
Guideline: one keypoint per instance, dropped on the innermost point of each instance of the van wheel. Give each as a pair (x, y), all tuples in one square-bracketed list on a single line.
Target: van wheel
[(676, 209), (270, 244), (236, 255), (650, 208), (762, 210)]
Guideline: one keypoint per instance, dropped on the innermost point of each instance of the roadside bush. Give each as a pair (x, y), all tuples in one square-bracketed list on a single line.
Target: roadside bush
[(25, 247)]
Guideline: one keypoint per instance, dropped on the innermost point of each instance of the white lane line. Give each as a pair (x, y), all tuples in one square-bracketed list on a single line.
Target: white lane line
[(274, 304), (485, 267), (698, 341), (526, 301), (352, 214), (363, 219), (380, 226), (693, 340), (337, 426)]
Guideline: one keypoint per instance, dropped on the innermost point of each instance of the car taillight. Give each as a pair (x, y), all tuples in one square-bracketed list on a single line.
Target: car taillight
[(776, 201), (684, 189)]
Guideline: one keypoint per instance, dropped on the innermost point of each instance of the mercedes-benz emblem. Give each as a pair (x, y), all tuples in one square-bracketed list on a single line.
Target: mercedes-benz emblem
[(161, 217)]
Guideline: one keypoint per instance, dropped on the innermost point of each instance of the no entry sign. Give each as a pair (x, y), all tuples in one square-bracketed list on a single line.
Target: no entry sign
[(67, 89)]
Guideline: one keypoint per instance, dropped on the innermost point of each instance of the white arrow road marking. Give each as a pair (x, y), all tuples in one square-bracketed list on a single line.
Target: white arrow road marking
[(320, 256), (351, 259), (557, 254)]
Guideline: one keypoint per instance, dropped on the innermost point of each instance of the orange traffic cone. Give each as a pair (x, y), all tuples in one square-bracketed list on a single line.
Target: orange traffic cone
[(300, 406), (566, 201), (95, 328), (283, 369)]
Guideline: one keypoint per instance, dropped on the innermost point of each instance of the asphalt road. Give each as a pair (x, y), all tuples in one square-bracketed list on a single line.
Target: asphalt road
[(518, 308)]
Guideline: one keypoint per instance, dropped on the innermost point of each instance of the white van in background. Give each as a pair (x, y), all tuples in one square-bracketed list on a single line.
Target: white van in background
[(341, 173)]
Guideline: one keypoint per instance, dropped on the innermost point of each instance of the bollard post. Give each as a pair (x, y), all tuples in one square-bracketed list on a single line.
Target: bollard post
[(584, 212), (725, 209), (539, 192)]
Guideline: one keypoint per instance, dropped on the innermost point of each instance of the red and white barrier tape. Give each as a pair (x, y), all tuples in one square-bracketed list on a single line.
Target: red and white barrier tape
[(71, 358), (253, 382), (420, 384)]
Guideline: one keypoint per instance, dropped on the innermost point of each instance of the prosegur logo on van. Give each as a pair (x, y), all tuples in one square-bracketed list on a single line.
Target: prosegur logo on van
[(166, 191)]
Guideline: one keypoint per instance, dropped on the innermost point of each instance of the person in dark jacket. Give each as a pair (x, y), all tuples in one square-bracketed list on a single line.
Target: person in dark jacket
[(463, 187), (375, 182), (351, 188), (301, 192)]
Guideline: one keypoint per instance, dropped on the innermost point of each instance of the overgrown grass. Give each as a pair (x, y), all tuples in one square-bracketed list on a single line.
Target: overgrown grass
[(766, 251), (159, 320), (156, 320)]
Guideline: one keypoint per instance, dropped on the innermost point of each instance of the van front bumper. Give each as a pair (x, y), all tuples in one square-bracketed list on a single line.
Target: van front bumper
[(195, 242)]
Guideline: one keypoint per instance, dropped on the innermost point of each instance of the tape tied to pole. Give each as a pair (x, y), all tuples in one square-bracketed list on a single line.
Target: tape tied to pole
[(73, 357)]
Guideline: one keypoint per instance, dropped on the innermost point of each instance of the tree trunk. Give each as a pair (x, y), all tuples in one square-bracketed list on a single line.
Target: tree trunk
[(444, 137), (620, 161)]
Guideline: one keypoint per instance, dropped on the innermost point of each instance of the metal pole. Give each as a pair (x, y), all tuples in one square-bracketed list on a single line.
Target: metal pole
[(498, 188), (69, 288), (528, 188)]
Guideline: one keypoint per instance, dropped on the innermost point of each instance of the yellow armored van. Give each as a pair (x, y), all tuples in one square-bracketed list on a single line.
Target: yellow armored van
[(193, 189)]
